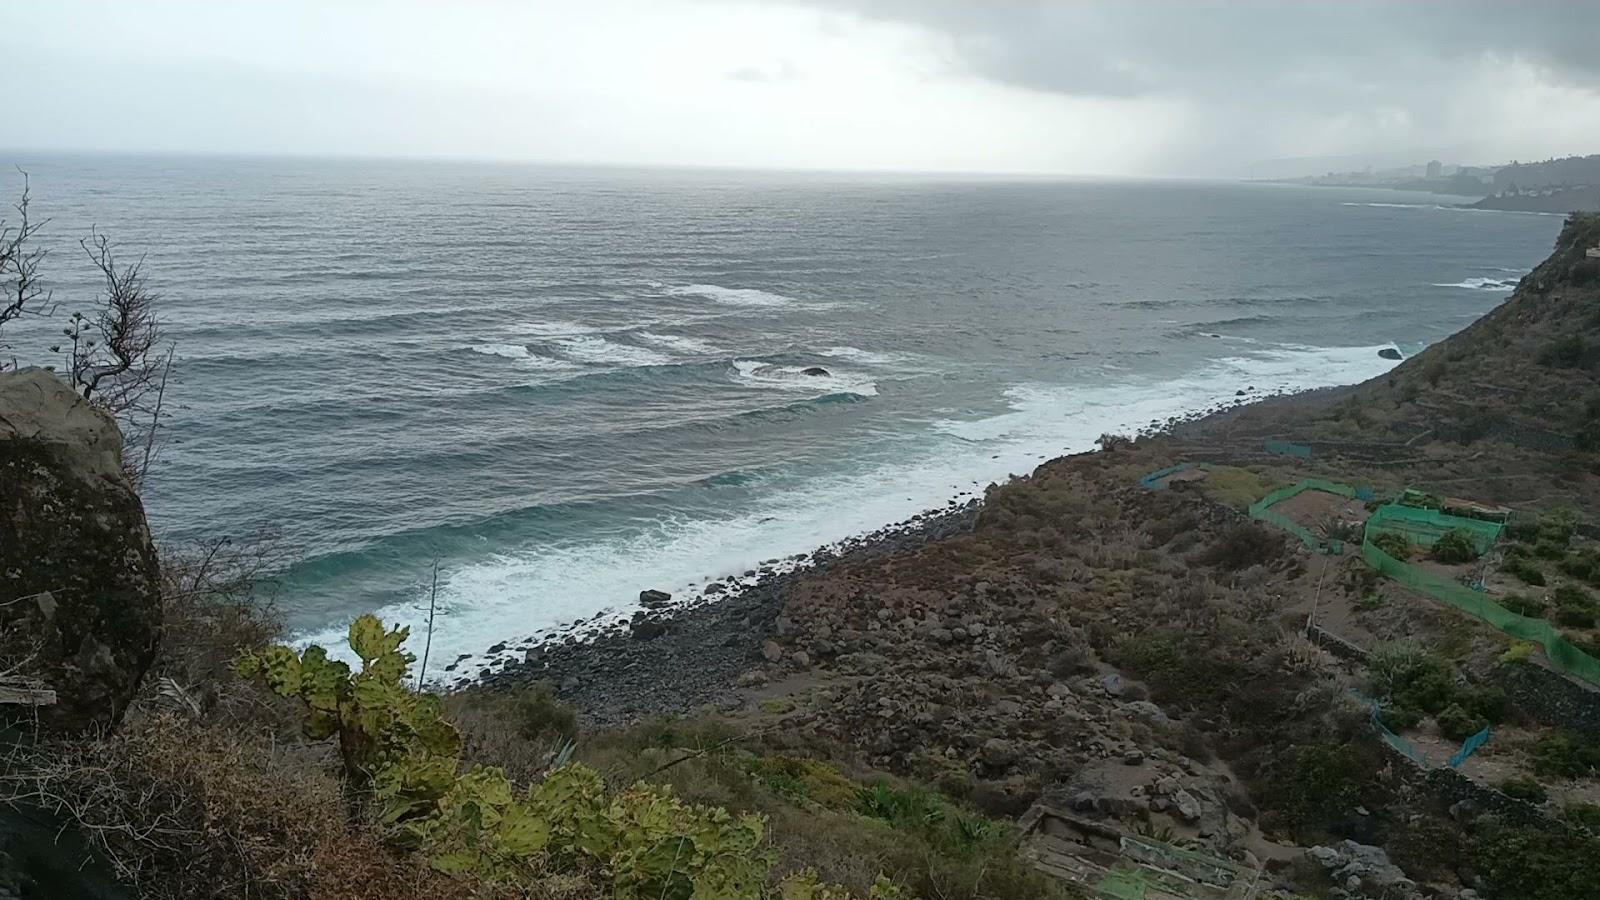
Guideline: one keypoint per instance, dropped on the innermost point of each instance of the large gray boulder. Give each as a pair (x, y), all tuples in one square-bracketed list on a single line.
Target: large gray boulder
[(80, 603)]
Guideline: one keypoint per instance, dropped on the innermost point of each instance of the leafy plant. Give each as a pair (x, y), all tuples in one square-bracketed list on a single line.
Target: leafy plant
[(1523, 605), (1523, 787), (1458, 724), (1455, 547), (1566, 755), (1518, 652), (1525, 571), (1394, 545), (394, 742)]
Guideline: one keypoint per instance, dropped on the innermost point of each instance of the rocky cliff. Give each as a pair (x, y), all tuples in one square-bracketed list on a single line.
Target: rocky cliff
[(80, 609)]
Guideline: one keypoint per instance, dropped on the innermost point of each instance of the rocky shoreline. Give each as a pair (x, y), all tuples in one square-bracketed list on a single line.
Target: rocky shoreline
[(678, 657)]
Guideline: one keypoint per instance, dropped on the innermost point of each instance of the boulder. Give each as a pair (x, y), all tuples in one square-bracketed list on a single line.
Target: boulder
[(771, 652), (1390, 353), (815, 371), (79, 587), (653, 599), (647, 629), (1188, 806)]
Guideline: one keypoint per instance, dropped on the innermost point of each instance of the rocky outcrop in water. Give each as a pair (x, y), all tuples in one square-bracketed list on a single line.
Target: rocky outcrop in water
[(80, 606)]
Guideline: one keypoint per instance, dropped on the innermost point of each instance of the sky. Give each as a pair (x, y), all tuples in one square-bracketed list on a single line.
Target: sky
[(1005, 86)]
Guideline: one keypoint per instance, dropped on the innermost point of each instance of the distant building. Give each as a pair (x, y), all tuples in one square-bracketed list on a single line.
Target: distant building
[(1435, 169)]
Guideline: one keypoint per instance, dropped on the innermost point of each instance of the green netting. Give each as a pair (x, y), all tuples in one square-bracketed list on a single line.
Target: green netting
[(1469, 747), (1424, 527), (1122, 884), (1396, 741), (1153, 480), (1287, 448), (1262, 510), (1562, 654)]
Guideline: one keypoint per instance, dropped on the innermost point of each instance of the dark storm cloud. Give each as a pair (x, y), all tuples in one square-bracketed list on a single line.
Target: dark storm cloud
[(1221, 49)]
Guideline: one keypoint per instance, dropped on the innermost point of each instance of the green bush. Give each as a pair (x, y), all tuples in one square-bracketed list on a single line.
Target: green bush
[(1584, 815), (1575, 616), (1523, 605), (1570, 352), (1523, 527), (1320, 785), (1548, 549), (1457, 724), (648, 843), (1394, 545), (1526, 863), (1566, 755), (1525, 571), (1455, 547), (1410, 677), (1523, 787), (539, 714)]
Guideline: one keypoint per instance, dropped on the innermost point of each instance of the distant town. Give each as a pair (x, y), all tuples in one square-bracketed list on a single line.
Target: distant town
[(1554, 185)]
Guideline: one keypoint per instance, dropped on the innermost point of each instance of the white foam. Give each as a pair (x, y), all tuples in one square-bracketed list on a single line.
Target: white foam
[(599, 351), (1483, 284), (1394, 205), (680, 343), (524, 357), (864, 357), (506, 596), (553, 329), (793, 378), (732, 296)]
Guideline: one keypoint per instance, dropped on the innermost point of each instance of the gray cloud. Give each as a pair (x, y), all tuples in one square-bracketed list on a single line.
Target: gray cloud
[(1210, 48)]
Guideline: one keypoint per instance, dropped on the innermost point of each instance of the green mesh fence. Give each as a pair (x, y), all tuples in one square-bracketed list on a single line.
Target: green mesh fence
[(1396, 741), (1424, 527), (1122, 884), (1561, 653), (1288, 448), (1153, 481), (1262, 510)]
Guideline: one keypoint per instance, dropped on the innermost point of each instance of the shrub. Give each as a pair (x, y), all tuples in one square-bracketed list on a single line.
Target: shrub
[(1519, 651), (1522, 787), (1570, 352), (1410, 677), (1525, 571), (1527, 863), (1455, 547), (1241, 547), (1458, 724), (1575, 616), (646, 841), (1579, 566), (1522, 527), (1548, 549), (1566, 755), (1584, 815), (1320, 784), (539, 714), (1394, 545), (1573, 596), (1523, 605)]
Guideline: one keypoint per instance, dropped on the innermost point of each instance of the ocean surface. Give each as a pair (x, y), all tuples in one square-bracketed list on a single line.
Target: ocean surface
[(569, 385)]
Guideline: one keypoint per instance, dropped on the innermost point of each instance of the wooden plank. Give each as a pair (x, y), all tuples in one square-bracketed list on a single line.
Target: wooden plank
[(20, 696)]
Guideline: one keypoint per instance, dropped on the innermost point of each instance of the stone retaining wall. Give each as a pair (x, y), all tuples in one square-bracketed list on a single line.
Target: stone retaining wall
[(1551, 698)]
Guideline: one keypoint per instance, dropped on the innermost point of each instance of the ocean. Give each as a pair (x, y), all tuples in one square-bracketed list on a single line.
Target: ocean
[(568, 385)]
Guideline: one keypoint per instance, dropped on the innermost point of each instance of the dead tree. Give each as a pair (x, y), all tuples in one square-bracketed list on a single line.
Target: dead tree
[(21, 293), (116, 358)]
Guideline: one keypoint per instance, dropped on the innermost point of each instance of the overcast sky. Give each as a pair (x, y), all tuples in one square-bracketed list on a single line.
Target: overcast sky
[(1122, 88)]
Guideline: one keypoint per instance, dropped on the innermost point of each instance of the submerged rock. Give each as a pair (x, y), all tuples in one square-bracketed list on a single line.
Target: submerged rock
[(815, 371), (76, 563)]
